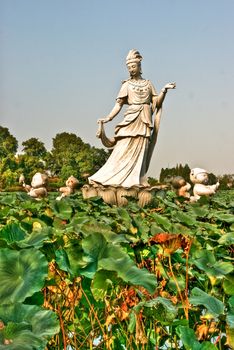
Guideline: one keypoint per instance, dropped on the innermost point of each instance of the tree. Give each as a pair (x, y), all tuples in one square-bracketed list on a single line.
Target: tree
[(64, 151), (8, 143), (71, 156), (90, 159), (33, 147), (178, 170), (33, 158)]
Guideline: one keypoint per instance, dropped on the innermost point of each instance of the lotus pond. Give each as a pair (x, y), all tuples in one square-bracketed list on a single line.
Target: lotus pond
[(79, 274)]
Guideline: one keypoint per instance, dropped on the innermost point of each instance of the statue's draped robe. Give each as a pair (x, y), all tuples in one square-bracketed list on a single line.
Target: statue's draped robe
[(127, 164)]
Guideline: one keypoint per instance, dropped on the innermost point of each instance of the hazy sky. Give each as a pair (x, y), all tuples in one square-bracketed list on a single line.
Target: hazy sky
[(63, 61)]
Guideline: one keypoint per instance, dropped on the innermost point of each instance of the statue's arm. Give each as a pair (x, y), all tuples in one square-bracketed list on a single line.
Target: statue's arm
[(157, 101), (116, 109)]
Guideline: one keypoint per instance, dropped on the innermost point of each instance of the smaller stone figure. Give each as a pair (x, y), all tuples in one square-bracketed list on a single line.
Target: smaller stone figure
[(71, 184), (37, 189), (181, 186), (200, 179)]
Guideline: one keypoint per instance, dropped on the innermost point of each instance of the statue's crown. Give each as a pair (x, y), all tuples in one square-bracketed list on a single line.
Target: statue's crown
[(133, 56)]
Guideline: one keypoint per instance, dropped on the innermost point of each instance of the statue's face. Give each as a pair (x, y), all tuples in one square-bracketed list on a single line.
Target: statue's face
[(134, 69)]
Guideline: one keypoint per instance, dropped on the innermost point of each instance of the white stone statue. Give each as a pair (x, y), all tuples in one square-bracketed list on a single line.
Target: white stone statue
[(200, 178), (71, 185), (136, 135), (181, 186), (37, 189)]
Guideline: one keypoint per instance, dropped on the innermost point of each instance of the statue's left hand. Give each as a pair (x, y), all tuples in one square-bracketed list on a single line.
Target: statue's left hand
[(170, 86)]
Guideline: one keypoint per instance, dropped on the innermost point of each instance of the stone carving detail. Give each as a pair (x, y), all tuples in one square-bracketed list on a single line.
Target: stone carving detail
[(117, 195)]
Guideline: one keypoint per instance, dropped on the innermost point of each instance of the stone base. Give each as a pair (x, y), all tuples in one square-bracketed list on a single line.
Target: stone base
[(117, 195)]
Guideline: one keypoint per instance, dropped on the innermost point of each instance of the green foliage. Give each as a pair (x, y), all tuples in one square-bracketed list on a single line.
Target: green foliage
[(79, 274), (8, 143), (71, 156), (26, 327), (34, 148)]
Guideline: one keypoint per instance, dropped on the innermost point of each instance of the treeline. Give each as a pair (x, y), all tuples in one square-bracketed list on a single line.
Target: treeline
[(69, 156)]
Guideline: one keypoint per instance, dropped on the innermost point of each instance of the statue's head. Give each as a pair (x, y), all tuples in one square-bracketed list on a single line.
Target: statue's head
[(72, 182), (133, 62), (39, 180), (199, 176)]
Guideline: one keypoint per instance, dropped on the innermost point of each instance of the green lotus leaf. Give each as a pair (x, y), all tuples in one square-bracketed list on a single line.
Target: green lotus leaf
[(213, 305), (227, 239), (228, 284), (8, 199), (97, 228), (125, 217), (184, 218), (98, 254), (18, 337), (22, 273), (36, 238), (28, 327), (198, 211), (62, 260), (154, 229), (188, 338), (224, 217), (208, 346), (205, 260), (162, 221), (102, 281), (12, 233), (210, 228), (115, 259), (161, 309), (74, 253), (62, 209), (180, 281)]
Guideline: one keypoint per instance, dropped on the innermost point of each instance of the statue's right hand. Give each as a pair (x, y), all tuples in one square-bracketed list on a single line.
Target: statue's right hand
[(103, 120)]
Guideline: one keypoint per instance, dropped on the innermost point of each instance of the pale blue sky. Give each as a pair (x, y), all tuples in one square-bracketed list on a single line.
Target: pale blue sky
[(63, 62)]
